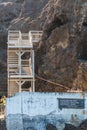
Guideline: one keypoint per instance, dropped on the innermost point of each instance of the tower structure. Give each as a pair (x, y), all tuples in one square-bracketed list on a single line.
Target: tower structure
[(20, 60)]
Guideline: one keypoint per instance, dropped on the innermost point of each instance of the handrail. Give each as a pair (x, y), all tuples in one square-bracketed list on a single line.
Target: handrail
[(16, 38)]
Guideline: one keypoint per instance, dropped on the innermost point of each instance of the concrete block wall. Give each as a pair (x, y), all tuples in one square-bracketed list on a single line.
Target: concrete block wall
[(34, 111)]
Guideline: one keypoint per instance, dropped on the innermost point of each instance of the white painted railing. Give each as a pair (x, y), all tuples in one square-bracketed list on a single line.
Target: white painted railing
[(35, 36), (25, 71), (13, 38), (18, 39), (25, 40)]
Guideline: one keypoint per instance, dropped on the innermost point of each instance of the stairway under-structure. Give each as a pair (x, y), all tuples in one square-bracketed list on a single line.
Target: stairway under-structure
[(20, 59)]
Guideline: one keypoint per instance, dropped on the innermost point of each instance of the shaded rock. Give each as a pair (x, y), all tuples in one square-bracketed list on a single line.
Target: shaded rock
[(51, 127), (70, 127), (63, 33), (83, 125)]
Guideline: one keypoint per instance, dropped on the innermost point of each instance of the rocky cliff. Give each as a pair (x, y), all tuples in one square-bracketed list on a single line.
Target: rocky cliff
[(61, 56)]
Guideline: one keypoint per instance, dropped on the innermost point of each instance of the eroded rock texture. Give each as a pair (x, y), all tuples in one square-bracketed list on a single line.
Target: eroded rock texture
[(61, 56), (63, 46)]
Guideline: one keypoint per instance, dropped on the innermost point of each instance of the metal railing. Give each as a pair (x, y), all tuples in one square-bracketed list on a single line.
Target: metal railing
[(18, 39), (35, 36), (26, 71), (13, 38)]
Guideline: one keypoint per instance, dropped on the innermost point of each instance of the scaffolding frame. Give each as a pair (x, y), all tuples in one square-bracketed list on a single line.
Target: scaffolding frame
[(21, 70)]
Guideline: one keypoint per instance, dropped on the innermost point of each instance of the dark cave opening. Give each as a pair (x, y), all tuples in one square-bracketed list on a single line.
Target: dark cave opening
[(25, 56), (57, 22), (82, 51), (85, 23), (26, 86)]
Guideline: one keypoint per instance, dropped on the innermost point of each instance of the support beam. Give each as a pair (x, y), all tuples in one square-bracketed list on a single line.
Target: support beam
[(32, 60), (20, 83)]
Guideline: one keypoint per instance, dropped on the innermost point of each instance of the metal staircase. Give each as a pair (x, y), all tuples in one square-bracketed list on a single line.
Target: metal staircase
[(21, 60)]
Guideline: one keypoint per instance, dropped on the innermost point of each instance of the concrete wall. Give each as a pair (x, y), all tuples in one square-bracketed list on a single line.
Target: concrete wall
[(34, 111)]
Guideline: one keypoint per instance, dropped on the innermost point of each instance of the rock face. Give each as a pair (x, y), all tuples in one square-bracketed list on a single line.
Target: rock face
[(61, 56), (63, 46)]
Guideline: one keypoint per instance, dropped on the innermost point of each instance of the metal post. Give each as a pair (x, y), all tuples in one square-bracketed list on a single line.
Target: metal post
[(20, 83), (33, 70), (8, 81), (30, 38), (30, 89), (9, 92), (19, 63), (19, 86), (33, 85)]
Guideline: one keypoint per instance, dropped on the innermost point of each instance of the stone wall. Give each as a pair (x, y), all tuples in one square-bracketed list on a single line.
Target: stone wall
[(39, 111)]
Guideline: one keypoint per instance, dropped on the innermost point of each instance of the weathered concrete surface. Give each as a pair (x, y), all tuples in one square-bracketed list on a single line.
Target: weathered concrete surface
[(39, 111)]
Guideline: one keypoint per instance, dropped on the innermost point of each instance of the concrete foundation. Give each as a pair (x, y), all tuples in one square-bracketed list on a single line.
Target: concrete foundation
[(36, 111)]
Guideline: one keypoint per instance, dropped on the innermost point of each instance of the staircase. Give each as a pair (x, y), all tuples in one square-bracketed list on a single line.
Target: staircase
[(21, 60)]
